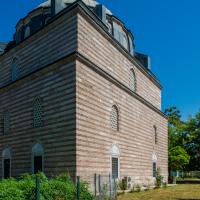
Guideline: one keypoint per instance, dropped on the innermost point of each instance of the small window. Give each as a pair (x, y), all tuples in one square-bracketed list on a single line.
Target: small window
[(15, 69), (6, 123), (27, 32), (38, 154), (155, 135), (37, 112), (6, 161), (115, 164), (154, 169), (115, 118), (132, 80), (115, 168)]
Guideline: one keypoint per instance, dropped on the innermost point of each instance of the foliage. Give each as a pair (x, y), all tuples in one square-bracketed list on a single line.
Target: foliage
[(60, 187), (178, 158), (159, 178)]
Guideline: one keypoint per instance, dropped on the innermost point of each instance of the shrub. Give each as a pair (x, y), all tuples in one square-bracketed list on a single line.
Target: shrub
[(159, 178), (59, 188)]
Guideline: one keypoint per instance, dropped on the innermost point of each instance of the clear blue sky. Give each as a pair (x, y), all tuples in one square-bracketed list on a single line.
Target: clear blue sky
[(169, 31)]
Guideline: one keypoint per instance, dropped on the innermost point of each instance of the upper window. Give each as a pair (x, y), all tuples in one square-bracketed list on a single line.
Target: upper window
[(6, 122), (37, 112), (132, 80), (155, 135), (27, 32), (15, 68), (115, 118)]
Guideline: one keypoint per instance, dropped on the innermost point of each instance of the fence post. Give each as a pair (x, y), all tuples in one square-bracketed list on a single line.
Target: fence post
[(99, 184), (78, 188), (37, 188), (95, 185), (110, 186), (115, 189)]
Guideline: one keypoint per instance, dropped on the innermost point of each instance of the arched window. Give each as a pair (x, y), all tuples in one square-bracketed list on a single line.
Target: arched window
[(155, 135), (27, 32), (6, 122), (154, 167), (115, 159), (132, 80), (6, 162), (15, 69), (37, 158), (114, 118), (37, 112)]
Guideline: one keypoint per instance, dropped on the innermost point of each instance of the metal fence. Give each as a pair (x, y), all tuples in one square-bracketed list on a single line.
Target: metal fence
[(105, 187)]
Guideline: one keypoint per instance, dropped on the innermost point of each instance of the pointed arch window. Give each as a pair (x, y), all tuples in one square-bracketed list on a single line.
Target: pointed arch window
[(114, 118), (15, 69), (154, 165), (132, 80), (37, 158), (37, 112), (6, 162), (115, 161)]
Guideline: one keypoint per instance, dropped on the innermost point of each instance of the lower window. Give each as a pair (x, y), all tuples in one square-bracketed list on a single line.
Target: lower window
[(115, 168), (6, 166), (154, 169), (38, 164)]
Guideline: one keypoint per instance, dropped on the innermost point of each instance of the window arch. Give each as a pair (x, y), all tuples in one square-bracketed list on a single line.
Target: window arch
[(6, 163), (114, 118), (6, 122), (15, 69), (154, 166), (155, 135), (132, 80), (37, 158), (115, 161), (27, 32), (37, 112)]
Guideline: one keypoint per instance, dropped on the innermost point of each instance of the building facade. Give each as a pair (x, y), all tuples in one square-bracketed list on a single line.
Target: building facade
[(76, 97)]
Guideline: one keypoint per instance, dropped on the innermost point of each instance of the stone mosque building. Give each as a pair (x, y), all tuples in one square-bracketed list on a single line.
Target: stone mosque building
[(76, 97)]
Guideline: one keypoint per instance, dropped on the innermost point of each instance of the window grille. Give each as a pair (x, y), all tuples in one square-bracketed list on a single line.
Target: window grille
[(15, 69), (154, 169), (115, 168), (6, 122), (155, 135), (115, 118), (37, 112), (132, 80)]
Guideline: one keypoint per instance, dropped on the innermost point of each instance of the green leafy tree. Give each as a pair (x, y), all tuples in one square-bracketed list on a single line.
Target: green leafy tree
[(178, 158)]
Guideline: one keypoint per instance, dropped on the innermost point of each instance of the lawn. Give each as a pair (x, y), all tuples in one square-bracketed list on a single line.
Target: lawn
[(179, 192)]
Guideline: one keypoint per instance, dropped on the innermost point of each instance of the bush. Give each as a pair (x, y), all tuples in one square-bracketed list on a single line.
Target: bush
[(59, 188), (159, 178)]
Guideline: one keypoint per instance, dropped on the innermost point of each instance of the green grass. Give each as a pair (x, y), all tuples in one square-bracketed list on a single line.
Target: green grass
[(179, 192)]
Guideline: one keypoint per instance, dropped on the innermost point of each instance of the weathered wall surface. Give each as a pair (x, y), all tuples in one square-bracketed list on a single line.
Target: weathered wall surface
[(93, 44), (56, 87), (95, 137)]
